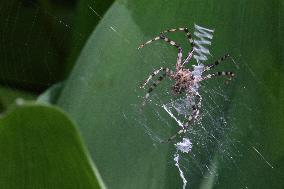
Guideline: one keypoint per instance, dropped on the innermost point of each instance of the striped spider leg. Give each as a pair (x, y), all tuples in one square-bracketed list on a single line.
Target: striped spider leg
[(195, 108), (190, 40), (166, 72), (162, 36), (216, 63)]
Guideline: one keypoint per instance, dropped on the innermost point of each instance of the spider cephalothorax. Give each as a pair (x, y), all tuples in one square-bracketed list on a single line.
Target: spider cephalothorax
[(186, 80)]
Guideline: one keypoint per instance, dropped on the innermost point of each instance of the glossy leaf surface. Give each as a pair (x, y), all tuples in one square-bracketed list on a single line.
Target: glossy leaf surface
[(40, 148), (102, 91)]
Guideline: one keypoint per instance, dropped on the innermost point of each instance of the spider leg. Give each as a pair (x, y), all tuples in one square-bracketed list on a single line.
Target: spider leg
[(153, 74), (191, 118), (217, 62), (190, 39), (164, 38), (194, 115), (188, 34), (209, 76), (167, 72), (188, 57)]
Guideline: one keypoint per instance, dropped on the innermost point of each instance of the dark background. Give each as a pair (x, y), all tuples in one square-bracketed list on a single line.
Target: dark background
[(40, 40)]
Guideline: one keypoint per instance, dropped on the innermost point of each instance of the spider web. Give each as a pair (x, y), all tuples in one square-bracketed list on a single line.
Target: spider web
[(210, 140)]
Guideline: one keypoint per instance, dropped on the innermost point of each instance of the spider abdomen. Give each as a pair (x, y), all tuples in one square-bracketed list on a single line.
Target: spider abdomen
[(183, 79)]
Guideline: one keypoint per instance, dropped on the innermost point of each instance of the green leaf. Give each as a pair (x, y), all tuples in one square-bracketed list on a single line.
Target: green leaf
[(40, 148), (9, 95), (102, 91)]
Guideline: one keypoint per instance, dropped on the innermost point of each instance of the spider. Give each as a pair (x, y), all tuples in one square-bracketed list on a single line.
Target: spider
[(186, 80)]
